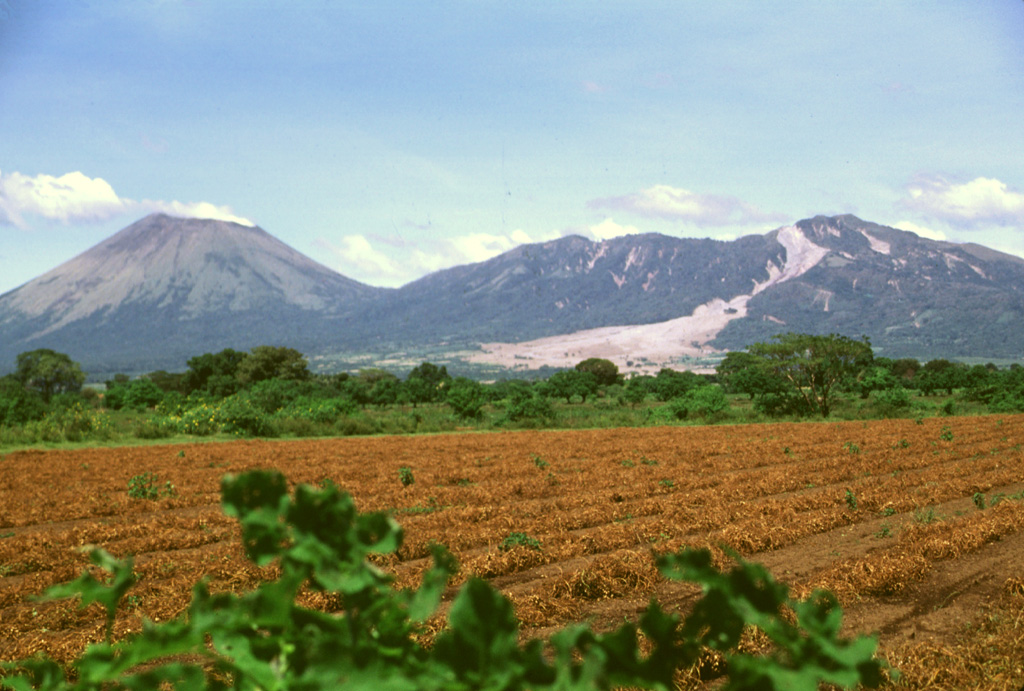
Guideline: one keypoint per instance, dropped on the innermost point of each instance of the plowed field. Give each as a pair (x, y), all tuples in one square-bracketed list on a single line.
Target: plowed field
[(918, 527)]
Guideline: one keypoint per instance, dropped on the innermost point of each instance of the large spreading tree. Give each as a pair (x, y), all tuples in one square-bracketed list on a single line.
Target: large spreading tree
[(811, 366), (48, 373)]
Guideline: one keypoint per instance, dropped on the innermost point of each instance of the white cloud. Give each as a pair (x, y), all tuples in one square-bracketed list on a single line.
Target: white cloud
[(478, 247), (75, 198), (70, 197), (608, 228), (924, 232), (978, 202), (357, 257), (193, 210), (677, 204)]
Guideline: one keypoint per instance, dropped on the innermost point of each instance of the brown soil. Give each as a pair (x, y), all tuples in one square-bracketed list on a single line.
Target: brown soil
[(882, 513)]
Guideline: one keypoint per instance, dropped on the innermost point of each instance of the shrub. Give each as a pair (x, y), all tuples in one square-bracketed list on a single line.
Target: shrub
[(157, 428), (238, 414), (199, 420), (673, 411), (319, 409), (889, 402), (526, 405), (357, 425), (272, 395), (18, 405), (72, 422), (466, 398), (780, 404), (706, 401), (172, 404)]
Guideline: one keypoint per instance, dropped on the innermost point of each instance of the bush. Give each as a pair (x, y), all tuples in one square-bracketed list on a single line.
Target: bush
[(674, 411), (889, 402), (526, 405), (18, 405), (238, 414), (323, 410), (466, 398), (198, 419), (779, 404), (173, 403), (72, 422), (706, 401), (141, 394), (272, 395), (355, 425), (156, 428)]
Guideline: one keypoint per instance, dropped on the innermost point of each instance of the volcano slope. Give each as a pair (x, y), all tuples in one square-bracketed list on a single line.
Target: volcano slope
[(917, 526)]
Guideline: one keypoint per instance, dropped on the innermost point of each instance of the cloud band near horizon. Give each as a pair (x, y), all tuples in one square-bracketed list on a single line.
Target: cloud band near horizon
[(966, 205), (678, 204), (76, 198)]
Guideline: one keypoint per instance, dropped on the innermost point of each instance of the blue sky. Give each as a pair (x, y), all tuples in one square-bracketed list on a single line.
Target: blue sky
[(390, 139)]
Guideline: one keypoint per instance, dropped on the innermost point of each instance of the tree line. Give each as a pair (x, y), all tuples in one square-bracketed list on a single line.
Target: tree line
[(270, 390)]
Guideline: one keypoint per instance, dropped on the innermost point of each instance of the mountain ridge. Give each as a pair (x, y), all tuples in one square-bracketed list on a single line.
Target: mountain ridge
[(164, 289)]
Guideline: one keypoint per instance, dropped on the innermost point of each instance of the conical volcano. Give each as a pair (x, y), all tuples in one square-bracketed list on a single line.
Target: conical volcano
[(165, 288)]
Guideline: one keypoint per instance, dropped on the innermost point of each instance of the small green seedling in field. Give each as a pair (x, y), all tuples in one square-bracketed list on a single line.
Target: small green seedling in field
[(851, 500), (979, 499), (405, 475), (628, 463), (926, 516), (666, 483), (946, 434), (540, 462), (851, 448), (146, 486), (519, 540), (884, 531)]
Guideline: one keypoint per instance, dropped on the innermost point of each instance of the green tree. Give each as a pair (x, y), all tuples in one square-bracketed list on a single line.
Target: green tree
[(426, 383), (670, 383), (272, 362), (940, 374), (636, 390), (168, 381), (48, 373), (214, 373), (137, 394), (606, 371), (385, 391), (904, 368), (813, 365), (569, 383), (743, 372), (706, 401), (18, 405), (466, 398)]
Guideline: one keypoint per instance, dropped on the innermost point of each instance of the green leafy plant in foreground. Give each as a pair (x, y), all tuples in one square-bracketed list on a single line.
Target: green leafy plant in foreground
[(264, 640)]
